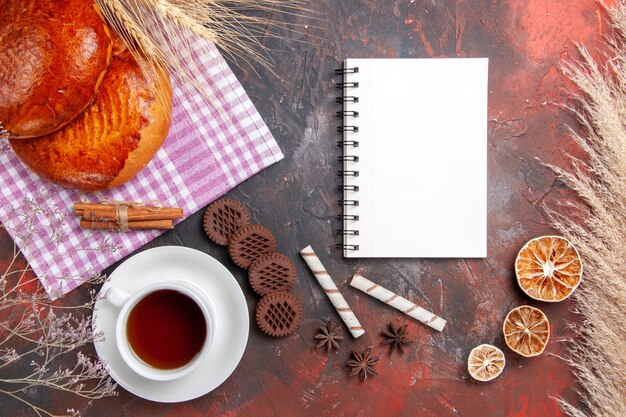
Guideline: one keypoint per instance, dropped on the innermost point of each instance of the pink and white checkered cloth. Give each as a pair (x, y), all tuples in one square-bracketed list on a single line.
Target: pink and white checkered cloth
[(209, 150)]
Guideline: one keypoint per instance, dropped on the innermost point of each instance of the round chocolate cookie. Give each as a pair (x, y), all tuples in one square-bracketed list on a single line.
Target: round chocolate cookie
[(272, 272), (222, 218), (278, 313), (250, 242)]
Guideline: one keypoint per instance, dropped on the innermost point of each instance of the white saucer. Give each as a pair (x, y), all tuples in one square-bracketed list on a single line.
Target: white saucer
[(230, 337)]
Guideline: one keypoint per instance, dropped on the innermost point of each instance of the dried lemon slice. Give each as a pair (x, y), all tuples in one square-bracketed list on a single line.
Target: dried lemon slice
[(485, 362), (548, 268), (526, 331)]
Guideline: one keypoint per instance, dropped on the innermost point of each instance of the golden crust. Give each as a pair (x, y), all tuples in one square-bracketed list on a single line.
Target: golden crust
[(113, 139), (49, 72)]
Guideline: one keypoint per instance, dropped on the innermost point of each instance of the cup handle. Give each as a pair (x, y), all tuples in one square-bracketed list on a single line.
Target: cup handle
[(116, 297)]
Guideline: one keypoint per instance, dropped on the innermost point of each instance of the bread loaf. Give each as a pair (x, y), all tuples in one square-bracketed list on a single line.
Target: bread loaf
[(53, 56), (114, 138)]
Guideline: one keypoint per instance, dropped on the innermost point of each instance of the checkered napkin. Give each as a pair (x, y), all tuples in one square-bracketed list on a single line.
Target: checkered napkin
[(209, 150)]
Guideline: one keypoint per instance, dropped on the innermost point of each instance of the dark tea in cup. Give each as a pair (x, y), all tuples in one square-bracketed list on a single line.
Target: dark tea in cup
[(166, 329)]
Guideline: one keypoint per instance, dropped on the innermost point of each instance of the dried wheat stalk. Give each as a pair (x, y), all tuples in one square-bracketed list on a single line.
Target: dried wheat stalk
[(597, 352), (158, 32)]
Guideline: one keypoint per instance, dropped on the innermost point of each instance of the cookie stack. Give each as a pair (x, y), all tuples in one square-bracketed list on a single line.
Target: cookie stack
[(271, 274)]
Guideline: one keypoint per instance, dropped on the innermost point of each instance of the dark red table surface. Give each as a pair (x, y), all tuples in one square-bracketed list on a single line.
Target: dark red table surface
[(296, 198)]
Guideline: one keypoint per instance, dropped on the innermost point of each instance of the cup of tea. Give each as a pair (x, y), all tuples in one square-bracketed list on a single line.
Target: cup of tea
[(165, 330)]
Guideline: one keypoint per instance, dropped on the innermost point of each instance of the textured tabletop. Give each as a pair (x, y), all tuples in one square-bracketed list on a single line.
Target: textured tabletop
[(296, 198)]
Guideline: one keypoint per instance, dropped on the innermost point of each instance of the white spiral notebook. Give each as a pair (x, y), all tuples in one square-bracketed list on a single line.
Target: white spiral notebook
[(414, 158)]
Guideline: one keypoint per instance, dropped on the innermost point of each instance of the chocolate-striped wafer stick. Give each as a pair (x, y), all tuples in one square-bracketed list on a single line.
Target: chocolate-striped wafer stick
[(332, 292), (397, 302)]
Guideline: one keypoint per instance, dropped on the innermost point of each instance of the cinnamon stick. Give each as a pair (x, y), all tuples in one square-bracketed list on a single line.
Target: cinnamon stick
[(108, 212), (132, 225), (79, 208)]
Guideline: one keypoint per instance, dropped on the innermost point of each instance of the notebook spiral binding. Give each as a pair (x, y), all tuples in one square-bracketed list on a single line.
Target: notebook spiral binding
[(352, 143), (347, 96), (341, 71)]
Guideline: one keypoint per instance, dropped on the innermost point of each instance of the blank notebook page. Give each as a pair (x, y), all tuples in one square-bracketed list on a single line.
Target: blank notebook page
[(422, 158)]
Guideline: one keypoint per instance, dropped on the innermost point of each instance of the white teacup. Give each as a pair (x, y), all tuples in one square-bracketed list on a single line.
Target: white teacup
[(128, 302)]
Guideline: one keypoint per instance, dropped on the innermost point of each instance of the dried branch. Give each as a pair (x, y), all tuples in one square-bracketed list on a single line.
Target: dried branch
[(37, 338)]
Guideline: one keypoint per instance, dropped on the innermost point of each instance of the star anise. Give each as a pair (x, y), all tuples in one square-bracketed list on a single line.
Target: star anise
[(362, 364), (329, 336), (396, 337)]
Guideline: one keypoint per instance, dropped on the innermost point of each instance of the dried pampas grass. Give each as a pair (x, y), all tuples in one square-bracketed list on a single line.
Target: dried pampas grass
[(598, 226), (160, 32)]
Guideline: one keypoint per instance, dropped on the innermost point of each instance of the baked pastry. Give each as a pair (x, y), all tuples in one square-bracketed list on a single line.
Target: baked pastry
[(279, 314), (222, 218), (272, 272), (249, 242), (53, 57), (114, 138)]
